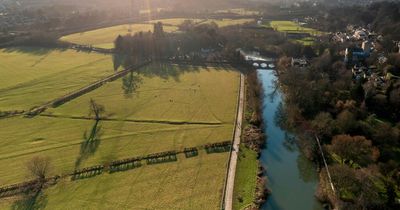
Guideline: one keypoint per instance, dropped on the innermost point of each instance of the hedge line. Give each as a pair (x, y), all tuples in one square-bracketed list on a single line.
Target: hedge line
[(115, 166)]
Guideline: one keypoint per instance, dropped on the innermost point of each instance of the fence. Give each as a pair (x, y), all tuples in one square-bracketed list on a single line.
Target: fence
[(115, 166)]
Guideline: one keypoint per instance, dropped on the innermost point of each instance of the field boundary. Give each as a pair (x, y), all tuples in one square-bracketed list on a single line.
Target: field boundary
[(116, 166), (135, 121), (227, 194), (70, 96)]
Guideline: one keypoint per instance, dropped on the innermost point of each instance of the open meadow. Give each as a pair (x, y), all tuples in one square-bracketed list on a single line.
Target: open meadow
[(30, 77), (174, 21), (104, 37), (158, 108), (293, 27), (170, 93), (229, 22), (190, 183)]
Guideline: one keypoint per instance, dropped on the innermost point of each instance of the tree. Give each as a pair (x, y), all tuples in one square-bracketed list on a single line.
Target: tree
[(158, 30), (96, 109), (353, 148), (323, 125), (118, 43), (39, 167), (346, 121)]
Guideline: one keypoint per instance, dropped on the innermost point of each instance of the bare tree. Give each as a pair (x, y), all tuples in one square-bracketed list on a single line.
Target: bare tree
[(96, 109), (39, 167)]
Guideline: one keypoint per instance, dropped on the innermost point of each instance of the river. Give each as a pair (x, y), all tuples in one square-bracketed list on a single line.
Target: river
[(291, 177)]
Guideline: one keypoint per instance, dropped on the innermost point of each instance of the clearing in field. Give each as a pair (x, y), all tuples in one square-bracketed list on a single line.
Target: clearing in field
[(158, 108), (104, 37), (30, 77), (293, 27)]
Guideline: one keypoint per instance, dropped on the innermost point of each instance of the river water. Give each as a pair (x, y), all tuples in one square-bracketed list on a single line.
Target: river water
[(291, 177)]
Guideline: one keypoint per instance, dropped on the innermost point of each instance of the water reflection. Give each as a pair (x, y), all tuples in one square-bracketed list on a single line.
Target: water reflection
[(292, 178)]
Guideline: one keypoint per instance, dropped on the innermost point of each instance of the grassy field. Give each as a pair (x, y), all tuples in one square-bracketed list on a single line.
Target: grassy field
[(194, 183), (239, 11), (229, 22), (158, 96), (61, 139), (166, 93), (245, 179), (293, 27), (104, 37), (174, 21), (32, 76)]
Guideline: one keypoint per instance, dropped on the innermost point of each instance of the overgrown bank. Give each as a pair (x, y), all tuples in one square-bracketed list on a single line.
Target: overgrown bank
[(250, 191)]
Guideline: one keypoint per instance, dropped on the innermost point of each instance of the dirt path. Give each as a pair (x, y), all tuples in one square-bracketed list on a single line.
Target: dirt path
[(228, 199)]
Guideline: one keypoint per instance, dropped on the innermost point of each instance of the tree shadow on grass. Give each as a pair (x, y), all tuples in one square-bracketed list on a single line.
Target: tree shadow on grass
[(130, 83), (166, 70), (31, 201), (90, 143), (32, 50)]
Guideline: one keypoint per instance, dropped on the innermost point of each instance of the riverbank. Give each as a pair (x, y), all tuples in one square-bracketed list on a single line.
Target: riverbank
[(250, 191), (292, 178)]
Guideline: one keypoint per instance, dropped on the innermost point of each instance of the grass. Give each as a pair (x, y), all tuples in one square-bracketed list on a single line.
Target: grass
[(166, 93), (104, 37), (229, 22), (239, 11), (245, 179), (194, 183), (60, 139), (293, 27), (174, 21), (33, 76)]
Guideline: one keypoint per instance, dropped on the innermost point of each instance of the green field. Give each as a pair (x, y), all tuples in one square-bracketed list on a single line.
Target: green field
[(157, 108), (239, 11), (33, 76), (166, 93), (174, 21), (61, 138), (194, 183), (245, 179), (104, 37), (293, 27), (229, 22)]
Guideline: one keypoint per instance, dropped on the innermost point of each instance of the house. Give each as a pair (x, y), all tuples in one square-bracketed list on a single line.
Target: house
[(382, 59), (355, 55), (340, 37), (299, 62), (360, 34), (367, 46)]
